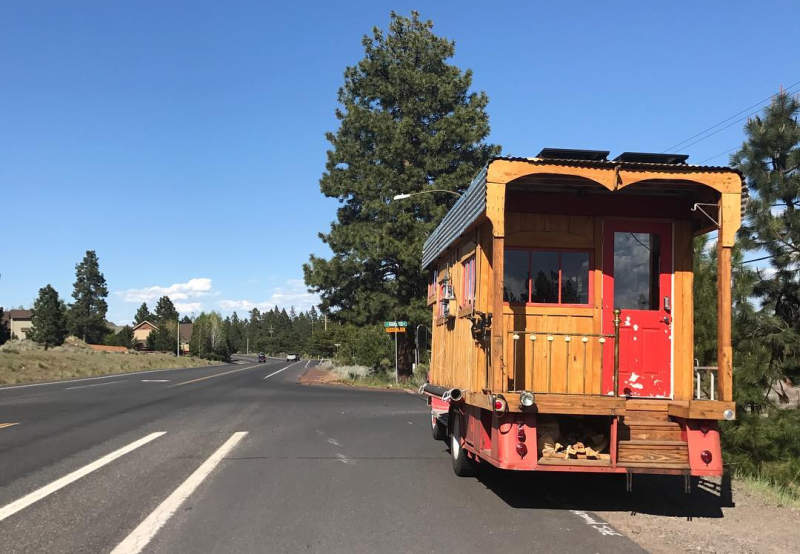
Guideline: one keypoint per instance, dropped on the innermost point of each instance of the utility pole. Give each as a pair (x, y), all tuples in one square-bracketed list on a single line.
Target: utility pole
[(247, 351), (178, 332)]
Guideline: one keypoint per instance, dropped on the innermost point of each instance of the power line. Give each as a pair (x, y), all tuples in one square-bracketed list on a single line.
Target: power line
[(729, 150), (726, 120)]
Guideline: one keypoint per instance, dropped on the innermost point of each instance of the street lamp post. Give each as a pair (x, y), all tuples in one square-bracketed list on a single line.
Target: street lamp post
[(410, 194)]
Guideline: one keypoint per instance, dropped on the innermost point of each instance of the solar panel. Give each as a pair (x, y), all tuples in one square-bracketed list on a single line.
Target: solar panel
[(573, 154), (650, 158)]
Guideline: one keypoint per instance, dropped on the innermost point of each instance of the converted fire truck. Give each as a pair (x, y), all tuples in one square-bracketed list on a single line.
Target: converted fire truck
[(561, 292)]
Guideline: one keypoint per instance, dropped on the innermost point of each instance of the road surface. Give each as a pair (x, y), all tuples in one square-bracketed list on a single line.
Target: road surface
[(241, 458)]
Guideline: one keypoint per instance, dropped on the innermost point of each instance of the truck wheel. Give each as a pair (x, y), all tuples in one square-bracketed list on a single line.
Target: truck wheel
[(439, 430), (462, 465)]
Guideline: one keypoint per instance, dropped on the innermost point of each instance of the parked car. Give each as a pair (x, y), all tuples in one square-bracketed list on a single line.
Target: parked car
[(292, 357), (262, 357)]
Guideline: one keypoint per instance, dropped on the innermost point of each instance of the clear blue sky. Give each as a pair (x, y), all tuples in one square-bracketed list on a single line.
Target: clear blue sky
[(183, 141)]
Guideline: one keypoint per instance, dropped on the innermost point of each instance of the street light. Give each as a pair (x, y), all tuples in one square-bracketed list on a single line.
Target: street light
[(409, 195)]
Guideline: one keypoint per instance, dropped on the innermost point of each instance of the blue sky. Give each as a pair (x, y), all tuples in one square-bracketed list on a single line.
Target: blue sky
[(184, 141)]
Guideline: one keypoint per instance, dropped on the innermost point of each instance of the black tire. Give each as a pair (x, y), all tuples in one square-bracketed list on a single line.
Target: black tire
[(462, 465), (439, 429)]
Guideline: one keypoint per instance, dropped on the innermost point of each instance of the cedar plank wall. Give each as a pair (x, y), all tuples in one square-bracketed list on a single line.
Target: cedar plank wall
[(458, 361), (554, 366), (455, 357)]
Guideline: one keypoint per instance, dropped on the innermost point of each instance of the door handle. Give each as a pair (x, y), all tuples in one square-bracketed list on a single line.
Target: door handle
[(666, 319)]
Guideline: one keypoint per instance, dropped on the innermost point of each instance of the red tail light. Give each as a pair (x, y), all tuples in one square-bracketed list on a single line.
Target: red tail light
[(706, 456), (522, 449), (500, 404)]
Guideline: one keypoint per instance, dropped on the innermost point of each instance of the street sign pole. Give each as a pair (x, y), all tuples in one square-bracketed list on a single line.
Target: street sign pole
[(395, 359)]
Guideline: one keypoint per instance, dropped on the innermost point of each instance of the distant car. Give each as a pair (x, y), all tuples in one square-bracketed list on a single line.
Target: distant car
[(291, 357), (262, 357)]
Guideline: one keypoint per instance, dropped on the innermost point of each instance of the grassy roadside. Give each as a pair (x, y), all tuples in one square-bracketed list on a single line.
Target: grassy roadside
[(360, 376), (25, 364)]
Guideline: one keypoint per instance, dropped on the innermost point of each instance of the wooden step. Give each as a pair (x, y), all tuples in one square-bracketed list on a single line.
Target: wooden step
[(649, 429), (652, 451)]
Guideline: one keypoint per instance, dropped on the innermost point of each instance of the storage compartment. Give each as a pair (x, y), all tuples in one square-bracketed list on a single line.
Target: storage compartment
[(574, 440)]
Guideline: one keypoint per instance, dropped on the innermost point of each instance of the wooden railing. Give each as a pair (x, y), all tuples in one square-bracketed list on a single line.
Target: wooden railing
[(583, 341)]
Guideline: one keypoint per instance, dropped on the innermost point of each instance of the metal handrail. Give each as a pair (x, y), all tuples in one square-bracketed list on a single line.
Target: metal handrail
[(567, 338)]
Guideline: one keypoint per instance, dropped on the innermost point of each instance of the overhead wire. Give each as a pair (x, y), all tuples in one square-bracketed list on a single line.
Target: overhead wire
[(748, 110)]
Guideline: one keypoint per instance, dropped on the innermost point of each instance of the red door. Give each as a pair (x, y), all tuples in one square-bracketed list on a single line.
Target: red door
[(637, 279)]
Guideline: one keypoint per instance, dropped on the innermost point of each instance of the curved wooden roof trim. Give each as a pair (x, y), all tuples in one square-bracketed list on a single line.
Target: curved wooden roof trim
[(617, 176)]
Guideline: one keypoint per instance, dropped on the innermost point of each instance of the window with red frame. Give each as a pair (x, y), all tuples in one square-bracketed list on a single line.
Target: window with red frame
[(546, 276), (468, 282)]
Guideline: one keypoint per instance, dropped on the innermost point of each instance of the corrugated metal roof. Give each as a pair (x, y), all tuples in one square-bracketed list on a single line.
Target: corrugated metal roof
[(464, 213), (611, 164)]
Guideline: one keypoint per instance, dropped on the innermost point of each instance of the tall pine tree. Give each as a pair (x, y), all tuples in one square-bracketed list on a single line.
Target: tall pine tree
[(48, 322), (770, 161), (142, 314), (408, 123), (165, 310), (87, 315)]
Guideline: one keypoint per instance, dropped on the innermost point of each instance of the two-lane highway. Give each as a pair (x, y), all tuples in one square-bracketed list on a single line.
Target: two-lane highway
[(241, 458)]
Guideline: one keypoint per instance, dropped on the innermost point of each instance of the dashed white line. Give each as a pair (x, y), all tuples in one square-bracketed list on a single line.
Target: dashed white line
[(155, 380), (280, 370), (22, 503), (147, 529), (95, 385)]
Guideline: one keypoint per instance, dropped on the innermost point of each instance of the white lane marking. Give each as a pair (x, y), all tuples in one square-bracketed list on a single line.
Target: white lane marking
[(308, 362), (284, 369), (95, 385), (126, 374), (22, 503), (155, 380), (600, 526), (147, 529), (334, 442)]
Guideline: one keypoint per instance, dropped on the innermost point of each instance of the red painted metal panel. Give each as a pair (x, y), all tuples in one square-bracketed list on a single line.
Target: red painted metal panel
[(642, 292)]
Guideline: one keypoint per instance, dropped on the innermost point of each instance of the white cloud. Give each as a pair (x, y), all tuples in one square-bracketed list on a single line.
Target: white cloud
[(293, 293), (193, 288), (186, 307)]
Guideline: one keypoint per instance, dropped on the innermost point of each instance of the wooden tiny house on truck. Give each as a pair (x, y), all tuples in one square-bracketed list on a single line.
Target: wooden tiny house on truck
[(561, 292)]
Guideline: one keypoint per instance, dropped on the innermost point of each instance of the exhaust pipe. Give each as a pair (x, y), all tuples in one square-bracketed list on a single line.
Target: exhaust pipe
[(451, 395)]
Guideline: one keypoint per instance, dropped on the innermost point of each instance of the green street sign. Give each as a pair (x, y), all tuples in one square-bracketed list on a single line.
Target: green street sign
[(395, 323)]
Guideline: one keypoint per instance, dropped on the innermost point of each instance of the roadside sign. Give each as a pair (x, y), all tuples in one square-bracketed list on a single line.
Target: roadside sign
[(395, 323), (395, 329)]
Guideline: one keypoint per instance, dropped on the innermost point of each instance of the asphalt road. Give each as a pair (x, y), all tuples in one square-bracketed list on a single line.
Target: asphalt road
[(241, 458)]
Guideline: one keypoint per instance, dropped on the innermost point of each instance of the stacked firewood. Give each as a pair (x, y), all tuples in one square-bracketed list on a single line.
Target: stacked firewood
[(575, 451)]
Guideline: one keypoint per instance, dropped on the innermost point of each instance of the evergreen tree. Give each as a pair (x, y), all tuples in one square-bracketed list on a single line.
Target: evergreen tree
[(408, 122), (165, 310), (769, 160), (48, 323), (88, 313), (142, 314), (5, 332)]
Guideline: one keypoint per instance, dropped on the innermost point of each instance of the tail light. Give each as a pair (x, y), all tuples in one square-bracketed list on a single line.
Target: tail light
[(706, 456), (500, 405)]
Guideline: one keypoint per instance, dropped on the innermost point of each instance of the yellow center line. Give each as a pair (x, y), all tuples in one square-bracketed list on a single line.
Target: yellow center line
[(4, 425), (212, 376)]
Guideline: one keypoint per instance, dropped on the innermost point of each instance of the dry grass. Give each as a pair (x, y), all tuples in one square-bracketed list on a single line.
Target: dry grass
[(18, 366)]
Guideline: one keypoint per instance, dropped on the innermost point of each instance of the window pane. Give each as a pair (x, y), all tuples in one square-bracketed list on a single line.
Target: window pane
[(637, 258), (515, 276), (575, 278), (544, 272)]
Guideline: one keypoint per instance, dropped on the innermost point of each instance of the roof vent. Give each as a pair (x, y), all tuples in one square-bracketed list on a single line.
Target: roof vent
[(649, 158), (572, 154)]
